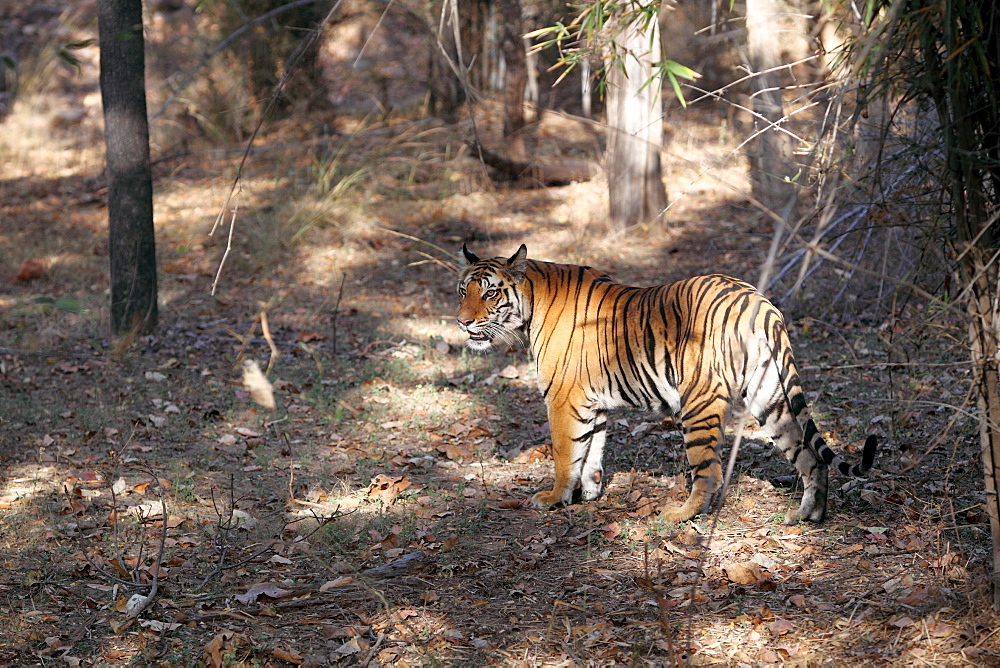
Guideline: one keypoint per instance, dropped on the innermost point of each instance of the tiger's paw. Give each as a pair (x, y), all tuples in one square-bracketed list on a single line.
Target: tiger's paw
[(544, 500), (814, 515), (812, 508), (591, 486), (676, 514)]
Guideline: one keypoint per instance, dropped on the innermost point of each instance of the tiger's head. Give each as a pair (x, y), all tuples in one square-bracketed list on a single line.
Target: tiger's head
[(490, 306)]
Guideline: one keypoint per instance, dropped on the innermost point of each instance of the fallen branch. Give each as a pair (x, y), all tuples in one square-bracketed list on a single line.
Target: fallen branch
[(138, 603), (535, 175)]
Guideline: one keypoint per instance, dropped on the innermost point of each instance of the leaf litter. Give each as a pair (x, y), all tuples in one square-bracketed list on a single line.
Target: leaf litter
[(363, 502)]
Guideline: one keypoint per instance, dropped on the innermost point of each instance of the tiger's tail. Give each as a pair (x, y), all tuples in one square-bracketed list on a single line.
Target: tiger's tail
[(815, 441)]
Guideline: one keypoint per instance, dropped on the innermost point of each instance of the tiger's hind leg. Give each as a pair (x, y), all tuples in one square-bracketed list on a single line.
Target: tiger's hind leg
[(702, 427), (783, 428)]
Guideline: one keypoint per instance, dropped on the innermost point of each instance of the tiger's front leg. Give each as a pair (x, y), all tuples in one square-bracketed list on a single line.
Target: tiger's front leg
[(577, 447)]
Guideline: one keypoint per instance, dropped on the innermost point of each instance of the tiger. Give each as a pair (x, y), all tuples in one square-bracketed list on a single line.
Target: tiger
[(693, 349)]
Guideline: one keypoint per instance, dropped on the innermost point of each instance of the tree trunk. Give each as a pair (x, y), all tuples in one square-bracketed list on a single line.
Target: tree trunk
[(132, 245), (635, 130), (983, 334), (972, 148), (512, 48), (770, 153), (979, 243)]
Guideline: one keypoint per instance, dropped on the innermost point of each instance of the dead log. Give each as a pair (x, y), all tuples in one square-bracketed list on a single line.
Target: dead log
[(532, 174)]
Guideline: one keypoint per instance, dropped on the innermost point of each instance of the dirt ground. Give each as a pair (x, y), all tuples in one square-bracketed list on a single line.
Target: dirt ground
[(373, 516)]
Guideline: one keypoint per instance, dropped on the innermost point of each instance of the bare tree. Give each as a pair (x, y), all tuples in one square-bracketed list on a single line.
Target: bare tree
[(635, 125), (512, 48), (132, 250), (770, 152)]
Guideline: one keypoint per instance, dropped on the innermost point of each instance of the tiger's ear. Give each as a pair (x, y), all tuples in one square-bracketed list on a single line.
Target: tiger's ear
[(517, 264), (469, 257)]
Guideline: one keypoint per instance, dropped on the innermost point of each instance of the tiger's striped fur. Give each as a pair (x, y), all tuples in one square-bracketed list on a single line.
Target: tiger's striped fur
[(690, 348)]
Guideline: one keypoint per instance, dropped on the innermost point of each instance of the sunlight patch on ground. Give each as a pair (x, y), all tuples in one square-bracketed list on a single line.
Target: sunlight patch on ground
[(49, 133), (431, 329), (26, 481), (33, 145)]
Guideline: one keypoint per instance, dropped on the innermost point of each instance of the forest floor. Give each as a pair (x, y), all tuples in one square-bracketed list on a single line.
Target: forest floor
[(373, 517)]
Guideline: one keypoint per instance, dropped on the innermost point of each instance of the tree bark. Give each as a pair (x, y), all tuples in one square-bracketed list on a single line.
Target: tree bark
[(770, 153), (983, 333), (132, 245), (512, 48), (635, 129), (979, 244)]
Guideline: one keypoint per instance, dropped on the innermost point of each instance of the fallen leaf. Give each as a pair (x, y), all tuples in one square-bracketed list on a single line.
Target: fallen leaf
[(220, 648), (268, 589), (940, 630), (242, 520), (386, 488), (289, 655), (350, 647), (135, 603), (791, 651), (780, 627), (157, 626), (455, 451), (54, 644), (901, 622), (29, 271), (744, 574), (611, 530), (644, 508), (147, 509), (798, 600), (339, 582), (257, 384), (917, 595), (532, 455), (764, 561), (768, 656)]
